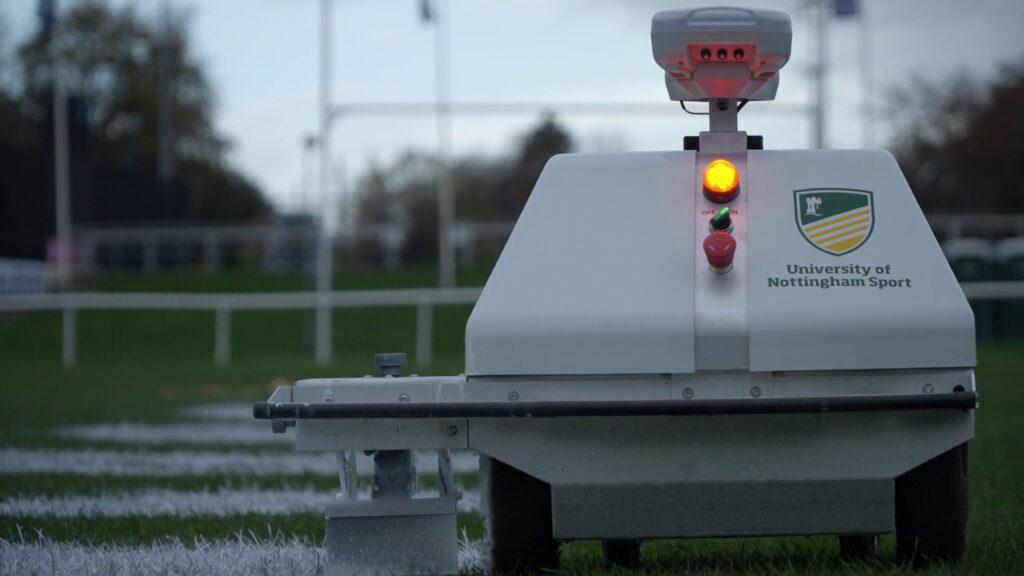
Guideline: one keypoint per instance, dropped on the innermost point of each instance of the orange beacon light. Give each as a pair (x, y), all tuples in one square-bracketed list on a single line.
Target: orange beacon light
[(721, 181)]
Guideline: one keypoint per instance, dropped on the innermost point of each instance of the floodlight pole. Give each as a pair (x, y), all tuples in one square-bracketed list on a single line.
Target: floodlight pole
[(61, 158), (819, 70), (308, 149), (867, 81), (445, 182), (324, 258), (165, 124)]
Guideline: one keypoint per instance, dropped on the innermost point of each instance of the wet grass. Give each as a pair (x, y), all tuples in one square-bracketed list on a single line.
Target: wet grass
[(144, 336), (254, 280), (57, 442), (790, 556), (40, 395), (111, 337)]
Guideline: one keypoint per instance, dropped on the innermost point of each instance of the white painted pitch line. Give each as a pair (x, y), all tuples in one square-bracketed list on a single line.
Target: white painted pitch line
[(137, 433), (248, 434), (91, 462), (182, 504), (159, 502), (220, 412), (243, 557), (97, 462)]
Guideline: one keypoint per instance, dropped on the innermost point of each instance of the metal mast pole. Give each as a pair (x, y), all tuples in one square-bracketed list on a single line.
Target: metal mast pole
[(445, 184), (820, 87), (867, 80), (306, 185), (61, 157), (165, 126), (324, 260)]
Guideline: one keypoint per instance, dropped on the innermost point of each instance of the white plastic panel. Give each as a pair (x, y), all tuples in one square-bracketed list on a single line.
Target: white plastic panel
[(720, 300), (597, 277), (922, 321)]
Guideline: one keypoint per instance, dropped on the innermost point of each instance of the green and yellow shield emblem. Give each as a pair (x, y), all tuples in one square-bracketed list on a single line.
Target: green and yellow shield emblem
[(835, 220)]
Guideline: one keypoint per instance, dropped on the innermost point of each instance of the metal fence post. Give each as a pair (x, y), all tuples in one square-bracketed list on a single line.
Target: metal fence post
[(424, 332), (324, 328), (222, 335), (69, 336), (211, 253), (150, 254), (89, 250)]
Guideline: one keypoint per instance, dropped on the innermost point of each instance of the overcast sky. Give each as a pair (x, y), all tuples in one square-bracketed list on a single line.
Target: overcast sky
[(261, 56)]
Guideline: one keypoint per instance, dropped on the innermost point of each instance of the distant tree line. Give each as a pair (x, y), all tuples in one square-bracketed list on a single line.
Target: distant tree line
[(960, 141), (110, 66), (957, 141), (486, 189)]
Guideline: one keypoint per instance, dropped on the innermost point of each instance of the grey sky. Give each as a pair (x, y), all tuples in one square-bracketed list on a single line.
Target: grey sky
[(262, 58)]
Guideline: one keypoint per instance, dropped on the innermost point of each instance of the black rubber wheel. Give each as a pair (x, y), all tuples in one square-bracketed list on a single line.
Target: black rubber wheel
[(858, 547), (622, 553), (518, 518), (931, 509)]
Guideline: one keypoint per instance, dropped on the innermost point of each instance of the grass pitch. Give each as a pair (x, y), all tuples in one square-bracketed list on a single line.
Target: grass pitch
[(41, 399), (141, 373)]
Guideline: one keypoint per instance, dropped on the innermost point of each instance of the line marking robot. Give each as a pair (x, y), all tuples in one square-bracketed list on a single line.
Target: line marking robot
[(708, 342)]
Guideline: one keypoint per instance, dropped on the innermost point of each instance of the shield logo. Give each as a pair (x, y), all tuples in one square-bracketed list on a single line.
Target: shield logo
[(835, 220)]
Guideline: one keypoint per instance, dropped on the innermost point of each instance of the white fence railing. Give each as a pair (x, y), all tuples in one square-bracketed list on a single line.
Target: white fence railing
[(151, 237), (222, 305), (984, 225)]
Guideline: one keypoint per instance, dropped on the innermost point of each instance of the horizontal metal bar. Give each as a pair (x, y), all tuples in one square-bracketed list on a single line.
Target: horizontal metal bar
[(993, 290), (520, 108), (974, 291), (195, 234), (980, 220), (875, 403)]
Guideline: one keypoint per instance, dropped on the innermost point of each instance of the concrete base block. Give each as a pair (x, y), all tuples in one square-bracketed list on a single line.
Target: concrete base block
[(395, 537)]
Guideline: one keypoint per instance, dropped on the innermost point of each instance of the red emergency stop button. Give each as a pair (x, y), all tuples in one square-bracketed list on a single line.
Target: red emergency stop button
[(720, 247)]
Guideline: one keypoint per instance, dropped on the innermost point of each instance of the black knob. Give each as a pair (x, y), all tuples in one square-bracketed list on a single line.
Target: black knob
[(390, 363), (279, 426)]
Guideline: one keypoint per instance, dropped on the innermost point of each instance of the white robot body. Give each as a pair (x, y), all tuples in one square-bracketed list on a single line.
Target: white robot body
[(714, 341), (604, 273)]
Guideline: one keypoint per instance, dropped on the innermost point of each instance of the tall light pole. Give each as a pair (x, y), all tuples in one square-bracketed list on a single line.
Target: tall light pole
[(445, 182), (165, 124), (324, 259), (49, 13), (867, 82), (820, 94), (309, 144)]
